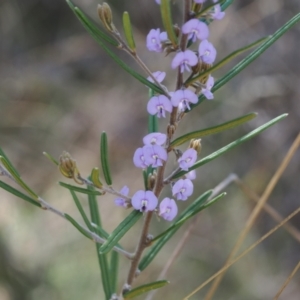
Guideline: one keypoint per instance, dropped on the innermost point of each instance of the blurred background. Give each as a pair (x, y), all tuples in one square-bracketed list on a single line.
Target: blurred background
[(59, 91)]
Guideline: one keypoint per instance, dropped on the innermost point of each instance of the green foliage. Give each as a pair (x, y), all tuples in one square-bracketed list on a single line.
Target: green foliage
[(79, 190), (128, 31), (104, 158), (145, 289), (212, 130)]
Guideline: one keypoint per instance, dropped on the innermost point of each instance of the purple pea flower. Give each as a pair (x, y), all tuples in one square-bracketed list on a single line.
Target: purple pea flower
[(144, 201), (190, 175), (199, 1), (158, 75), (139, 159), (154, 155), (168, 209), (155, 39), (184, 60), (208, 86), (217, 14), (207, 52), (122, 201), (155, 138), (157, 1), (187, 159), (182, 189), (195, 29), (185, 97), (158, 105)]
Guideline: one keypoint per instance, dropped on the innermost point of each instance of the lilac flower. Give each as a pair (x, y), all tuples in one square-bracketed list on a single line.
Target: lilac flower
[(182, 189), (206, 91), (144, 201), (195, 29), (187, 159), (157, 1), (139, 159), (155, 154), (154, 39), (159, 76), (122, 201), (184, 60), (199, 1), (207, 52), (155, 138), (185, 97), (168, 209), (190, 175), (158, 105), (217, 14)]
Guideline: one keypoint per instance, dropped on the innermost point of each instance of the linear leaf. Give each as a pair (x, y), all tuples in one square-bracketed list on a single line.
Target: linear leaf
[(128, 31), (145, 289), (17, 178), (2, 153), (79, 190), (230, 146), (102, 259), (17, 193), (226, 60), (188, 215), (251, 57), (81, 210), (51, 158), (165, 11), (77, 226), (120, 230), (213, 130), (114, 268), (154, 250), (104, 158), (81, 16)]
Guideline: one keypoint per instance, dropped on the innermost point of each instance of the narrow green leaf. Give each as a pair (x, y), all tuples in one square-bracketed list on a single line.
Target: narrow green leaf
[(91, 25), (17, 178), (251, 57), (81, 210), (226, 60), (80, 15), (2, 153), (114, 268), (225, 5), (145, 289), (77, 226), (102, 259), (51, 158), (230, 146), (166, 16), (17, 193), (198, 203), (152, 123), (128, 31), (120, 230), (104, 158), (213, 130), (188, 215), (154, 250), (95, 178), (79, 190)]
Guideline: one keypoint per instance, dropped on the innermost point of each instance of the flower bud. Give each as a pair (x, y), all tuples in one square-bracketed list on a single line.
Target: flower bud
[(68, 168), (105, 15), (196, 145)]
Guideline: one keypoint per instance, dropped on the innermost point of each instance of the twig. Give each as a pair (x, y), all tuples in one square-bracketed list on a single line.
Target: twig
[(287, 281), (256, 212), (229, 264)]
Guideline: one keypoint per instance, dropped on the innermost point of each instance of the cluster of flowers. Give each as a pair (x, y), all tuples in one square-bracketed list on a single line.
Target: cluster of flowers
[(153, 152)]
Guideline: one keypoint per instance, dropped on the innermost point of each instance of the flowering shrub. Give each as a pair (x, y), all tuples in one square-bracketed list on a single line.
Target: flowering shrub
[(193, 59)]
